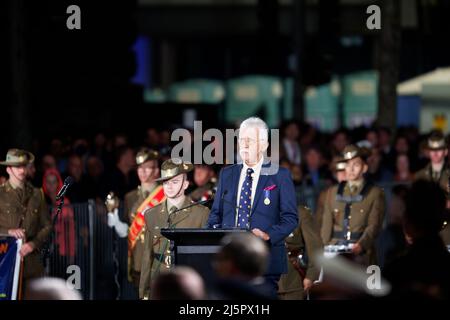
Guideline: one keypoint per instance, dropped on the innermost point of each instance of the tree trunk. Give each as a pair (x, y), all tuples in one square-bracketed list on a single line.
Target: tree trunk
[(388, 63)]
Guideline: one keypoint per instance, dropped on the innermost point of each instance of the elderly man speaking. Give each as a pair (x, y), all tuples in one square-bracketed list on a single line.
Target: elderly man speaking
[(255, 197)]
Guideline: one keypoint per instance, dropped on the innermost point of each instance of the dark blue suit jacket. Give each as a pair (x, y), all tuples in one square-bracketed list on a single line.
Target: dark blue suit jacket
[(278, 219)]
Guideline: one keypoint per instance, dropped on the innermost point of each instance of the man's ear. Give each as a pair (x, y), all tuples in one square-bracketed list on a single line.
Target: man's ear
[(8, 170)]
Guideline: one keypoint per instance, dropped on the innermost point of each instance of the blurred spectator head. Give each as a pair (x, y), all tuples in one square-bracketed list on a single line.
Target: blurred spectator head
[(284, 162), (307, 135), (425, 210), (243, 256), (100, 140), (51, 182), (374, 160), (203, 174), (401, 145), (340, 140), (152, 139), (80, 147), (291, 131), (313, 157), (94, 167), (402, 164), (50, 289), (165, 137), (3, 179), (356, 165), (125, 158), (384, 137), (75, 167), (48, 161), (31, 171), (372, 137), (56, 147), (120, 140), (147, 162), (180, 283)]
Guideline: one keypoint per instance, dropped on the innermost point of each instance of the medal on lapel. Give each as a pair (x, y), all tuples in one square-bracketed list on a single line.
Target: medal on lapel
[(267, 194)]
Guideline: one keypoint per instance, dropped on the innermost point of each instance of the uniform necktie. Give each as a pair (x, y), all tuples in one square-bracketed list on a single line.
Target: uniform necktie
[(435, 175), (245, 201), (171, 214)]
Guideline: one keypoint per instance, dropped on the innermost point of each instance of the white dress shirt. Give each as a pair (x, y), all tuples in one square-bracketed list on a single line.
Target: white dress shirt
[(256, 173)]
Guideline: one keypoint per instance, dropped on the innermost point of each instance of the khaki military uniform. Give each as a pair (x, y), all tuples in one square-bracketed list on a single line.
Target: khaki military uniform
[(443, 180), (320, 206), (133, 200), (156, 254), (365, 219), (305, 238), (204, 191), (26, 208), (426, 174)]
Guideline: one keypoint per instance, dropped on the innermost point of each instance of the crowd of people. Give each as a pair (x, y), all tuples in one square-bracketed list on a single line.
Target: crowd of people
[(337, 179)]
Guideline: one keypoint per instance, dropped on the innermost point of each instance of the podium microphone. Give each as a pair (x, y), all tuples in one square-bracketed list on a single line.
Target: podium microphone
[(169, 218)]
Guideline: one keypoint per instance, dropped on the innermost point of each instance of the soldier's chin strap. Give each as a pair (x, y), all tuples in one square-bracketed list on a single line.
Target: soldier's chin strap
[(180, 191)]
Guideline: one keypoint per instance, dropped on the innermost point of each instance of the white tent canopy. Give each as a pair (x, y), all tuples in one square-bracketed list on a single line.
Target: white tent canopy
[(414, 86)]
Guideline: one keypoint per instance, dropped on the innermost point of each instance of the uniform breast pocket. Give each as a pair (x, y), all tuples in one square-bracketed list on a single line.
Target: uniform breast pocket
[(337, 214), (360, 214)]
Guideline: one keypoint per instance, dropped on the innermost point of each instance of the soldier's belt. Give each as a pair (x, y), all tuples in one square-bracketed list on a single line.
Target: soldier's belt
[(341, 235)]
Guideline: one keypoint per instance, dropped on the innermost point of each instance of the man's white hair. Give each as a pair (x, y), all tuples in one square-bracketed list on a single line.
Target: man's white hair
[(255, 122)]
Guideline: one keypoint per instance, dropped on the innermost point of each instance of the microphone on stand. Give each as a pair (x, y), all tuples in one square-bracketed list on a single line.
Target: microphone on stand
[(169, 218), (67, 183)]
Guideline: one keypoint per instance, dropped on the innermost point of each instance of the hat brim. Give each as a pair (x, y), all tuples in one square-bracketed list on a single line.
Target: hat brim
[(189, 168), (437, 148), (19, 164)]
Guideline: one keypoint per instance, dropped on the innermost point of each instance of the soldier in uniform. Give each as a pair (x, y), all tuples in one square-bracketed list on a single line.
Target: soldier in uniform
[(438, 171), (205, 180), (171, 213), (148, 194), (354, 211), (304, 241), (23, 212), (339, 175)]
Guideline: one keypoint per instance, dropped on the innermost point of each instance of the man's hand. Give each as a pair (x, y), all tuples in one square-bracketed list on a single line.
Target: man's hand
[(26, 249), (17, 233), (260, 234), (307, 284), (357, 249)]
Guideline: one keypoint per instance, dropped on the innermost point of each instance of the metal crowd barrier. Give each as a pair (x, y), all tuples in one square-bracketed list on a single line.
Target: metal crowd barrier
[(84, 240)]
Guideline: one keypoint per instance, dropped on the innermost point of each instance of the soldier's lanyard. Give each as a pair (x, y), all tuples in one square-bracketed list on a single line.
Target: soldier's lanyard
[(161, 255), (349, 201)]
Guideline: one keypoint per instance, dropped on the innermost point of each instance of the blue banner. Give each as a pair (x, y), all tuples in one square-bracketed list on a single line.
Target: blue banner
[(8, 254)]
